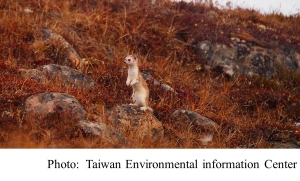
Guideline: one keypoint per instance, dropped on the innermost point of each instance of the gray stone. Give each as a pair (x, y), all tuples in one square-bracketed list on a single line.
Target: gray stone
[(72, 58), (67, 75), (166, 87), (34, 74), (247, 58), (283, 145), (205, 128), (185, 117), (59, 75), (54, 105), (203, 47), (52, 117), (135, 124), (108, 134), (259, 61)]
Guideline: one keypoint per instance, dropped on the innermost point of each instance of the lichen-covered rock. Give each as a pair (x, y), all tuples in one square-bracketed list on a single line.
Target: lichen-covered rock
[(219, 56), (108, 134), (72, 57), (290, 136), (283, 145), (248, 57), (52, 117), (185, 117), (166, 87), (68, 76), (57, 74), (50, 106), (189, 120), (34, 74), (204, 47), (137, 125)]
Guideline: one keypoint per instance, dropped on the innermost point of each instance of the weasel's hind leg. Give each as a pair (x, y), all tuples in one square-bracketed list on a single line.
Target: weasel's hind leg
[(133, 99)]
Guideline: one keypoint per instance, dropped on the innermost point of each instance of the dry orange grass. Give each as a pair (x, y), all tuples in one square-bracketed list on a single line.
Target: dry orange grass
[(163, 36)]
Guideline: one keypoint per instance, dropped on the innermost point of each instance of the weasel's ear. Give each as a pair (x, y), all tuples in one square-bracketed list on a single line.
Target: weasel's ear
[(134, 58)]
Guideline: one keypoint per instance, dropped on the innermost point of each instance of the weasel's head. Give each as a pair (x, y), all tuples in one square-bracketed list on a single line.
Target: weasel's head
[(131, 59)]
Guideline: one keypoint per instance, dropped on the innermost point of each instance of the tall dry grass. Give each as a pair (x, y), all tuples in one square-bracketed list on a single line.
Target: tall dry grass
[(163, 35)]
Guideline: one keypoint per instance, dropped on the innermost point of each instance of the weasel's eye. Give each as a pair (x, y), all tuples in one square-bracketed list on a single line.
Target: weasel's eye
[(128, 59)]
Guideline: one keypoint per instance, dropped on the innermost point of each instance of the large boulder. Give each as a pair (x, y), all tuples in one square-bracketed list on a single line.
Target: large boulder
[(137, 125), (71, 57), (248, 56), (61, 75), (190, 120), (109, 136), (186, 117), (282, 145), (59, 110), (34, 74), (52, 118)]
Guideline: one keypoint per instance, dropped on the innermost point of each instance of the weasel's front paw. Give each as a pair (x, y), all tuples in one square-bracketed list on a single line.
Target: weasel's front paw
[(128, 82), (134, 82)]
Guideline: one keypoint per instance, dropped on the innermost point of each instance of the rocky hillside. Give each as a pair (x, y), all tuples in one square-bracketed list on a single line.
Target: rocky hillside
[(217, 78)]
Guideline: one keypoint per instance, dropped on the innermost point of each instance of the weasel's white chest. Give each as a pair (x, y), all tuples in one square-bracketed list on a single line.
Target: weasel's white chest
[(133, 73)]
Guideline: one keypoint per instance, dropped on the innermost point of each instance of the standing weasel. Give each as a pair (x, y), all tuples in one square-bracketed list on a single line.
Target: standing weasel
[(140, 95)]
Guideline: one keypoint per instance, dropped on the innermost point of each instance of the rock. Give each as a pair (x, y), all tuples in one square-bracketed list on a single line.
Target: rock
[(219, 56), (206, 138), (52, 118), (108, 134), (47, 107), (185, 117), (179, 92), (203, 48), (246, 37), (283, 145), (71, 55), (290, 136), (34, 74), (135, 124), (289, 57), (248, 56), (189, 120), (57, 74), (68, 75)]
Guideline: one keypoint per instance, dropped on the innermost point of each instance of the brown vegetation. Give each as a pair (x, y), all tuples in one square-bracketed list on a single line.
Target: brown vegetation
[(251, 111)]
